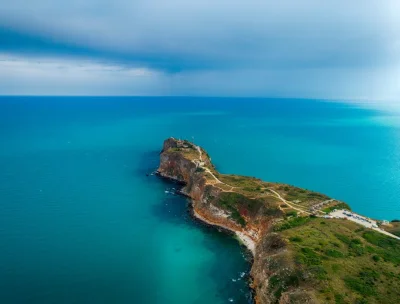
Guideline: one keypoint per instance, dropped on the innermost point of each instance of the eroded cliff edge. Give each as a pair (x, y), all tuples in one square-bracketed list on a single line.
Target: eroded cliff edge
[(271, 219)]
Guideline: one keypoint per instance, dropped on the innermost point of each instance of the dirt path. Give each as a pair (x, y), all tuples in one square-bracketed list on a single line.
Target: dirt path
[(232, 187), (200, 153), (286, 202), (209, 171)]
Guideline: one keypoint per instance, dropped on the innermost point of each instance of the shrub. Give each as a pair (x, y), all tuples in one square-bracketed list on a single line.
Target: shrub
[(309, 257), (291, 213), (356, 248), (343, 238), (389, 248), (318, 271), (296, 239), (376, 258), (339, 299), (291, 223), (359, 285), (235, 215), (334, 253), (337, 206)]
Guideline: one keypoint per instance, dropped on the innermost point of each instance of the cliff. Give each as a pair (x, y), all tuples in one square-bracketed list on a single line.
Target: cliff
[(299, 257)]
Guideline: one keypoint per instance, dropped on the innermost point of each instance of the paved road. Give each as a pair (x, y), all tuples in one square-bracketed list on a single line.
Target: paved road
[(361, 220)]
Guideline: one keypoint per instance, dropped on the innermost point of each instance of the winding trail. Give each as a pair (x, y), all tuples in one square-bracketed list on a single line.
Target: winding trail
[(208, 170), (200, 153), (286, 202), (277, 195)]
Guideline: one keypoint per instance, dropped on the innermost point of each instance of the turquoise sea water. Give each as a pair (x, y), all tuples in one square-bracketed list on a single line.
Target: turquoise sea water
[(80, 222)]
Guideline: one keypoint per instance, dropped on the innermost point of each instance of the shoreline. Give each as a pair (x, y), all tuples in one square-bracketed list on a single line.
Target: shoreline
[(240, 236), (243, 239)]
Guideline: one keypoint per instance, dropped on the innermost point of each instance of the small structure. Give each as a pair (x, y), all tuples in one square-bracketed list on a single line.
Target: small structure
[(385, 222)]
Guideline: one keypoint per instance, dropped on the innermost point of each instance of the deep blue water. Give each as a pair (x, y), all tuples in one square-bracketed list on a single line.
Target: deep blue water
[(80, 222)]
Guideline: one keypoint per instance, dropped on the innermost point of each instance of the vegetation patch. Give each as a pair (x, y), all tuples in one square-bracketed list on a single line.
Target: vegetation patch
[(299, 194), (291, 223), (282, 281), (346, 266), (334, 253), (336, 206), (364, 283), (388, 248), (296, 239), (291, 212), (250, 183), (308, 257), (356, 247), (345, 239)]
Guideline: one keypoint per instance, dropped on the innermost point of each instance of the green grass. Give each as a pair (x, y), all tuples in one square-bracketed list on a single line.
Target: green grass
[(241, 206), (251, 183), (296, 239), (364, 283), (291, 212), (385, 248), (233, 202), (345, 266), (291, 223), (334, 253), (292, 193), (235, 215), (336, 206)]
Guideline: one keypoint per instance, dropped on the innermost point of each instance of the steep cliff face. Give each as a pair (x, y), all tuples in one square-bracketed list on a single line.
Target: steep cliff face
[(219, 203), (174, 164), (177, 162)]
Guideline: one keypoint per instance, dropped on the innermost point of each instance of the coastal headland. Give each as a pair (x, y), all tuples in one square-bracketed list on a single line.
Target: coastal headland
[(306, 246)]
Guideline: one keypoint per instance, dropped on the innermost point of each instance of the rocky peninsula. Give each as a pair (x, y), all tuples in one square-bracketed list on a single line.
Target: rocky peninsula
[(301, 255)]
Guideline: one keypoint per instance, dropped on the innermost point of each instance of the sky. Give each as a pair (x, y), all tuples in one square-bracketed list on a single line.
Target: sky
[(340, 50)]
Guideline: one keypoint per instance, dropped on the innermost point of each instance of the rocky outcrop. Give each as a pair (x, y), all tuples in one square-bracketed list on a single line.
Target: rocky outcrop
[(250, 218), (175, 165)]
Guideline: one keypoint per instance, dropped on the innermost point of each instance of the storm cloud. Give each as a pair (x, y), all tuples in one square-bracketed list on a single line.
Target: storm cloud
[(306, 48)]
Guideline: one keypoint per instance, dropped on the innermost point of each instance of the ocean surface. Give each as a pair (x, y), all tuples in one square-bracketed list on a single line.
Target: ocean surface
[(80, 222)]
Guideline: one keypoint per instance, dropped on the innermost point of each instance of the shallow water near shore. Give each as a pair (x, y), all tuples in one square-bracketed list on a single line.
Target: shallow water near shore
[(80, 222)]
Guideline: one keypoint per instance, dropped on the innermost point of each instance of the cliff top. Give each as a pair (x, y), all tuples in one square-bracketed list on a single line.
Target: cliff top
[(302, 254), (290, 199)]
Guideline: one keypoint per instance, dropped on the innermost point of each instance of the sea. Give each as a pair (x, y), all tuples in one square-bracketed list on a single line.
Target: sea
[(83, 220)]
